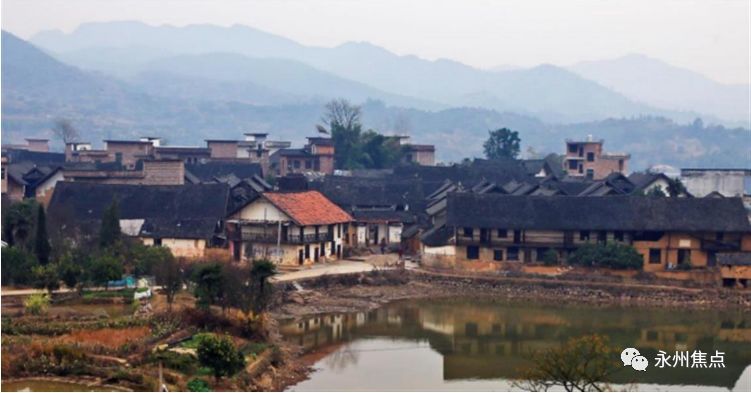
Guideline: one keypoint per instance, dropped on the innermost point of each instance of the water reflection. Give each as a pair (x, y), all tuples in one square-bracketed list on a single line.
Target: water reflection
[(482, 340)]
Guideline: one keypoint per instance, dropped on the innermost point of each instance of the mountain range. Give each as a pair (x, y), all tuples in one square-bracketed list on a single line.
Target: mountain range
[(187, 83)]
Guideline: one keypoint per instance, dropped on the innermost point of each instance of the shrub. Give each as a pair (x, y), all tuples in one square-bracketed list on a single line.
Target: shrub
[(612, 255), (550, 258), (17, 266), (37, 304), (198, 385), (219, 354)]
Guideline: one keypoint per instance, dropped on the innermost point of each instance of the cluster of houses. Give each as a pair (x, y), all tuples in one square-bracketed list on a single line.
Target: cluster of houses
[(253, 198)]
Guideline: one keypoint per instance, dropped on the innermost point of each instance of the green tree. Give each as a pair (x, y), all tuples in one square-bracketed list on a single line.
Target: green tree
[(46, 277), (109, 233), (42, 246), (103, 268), (502, 143), (209, 281), (145, 259), (261, 290), (220, 355), (70, 272), (581, 364), (676, 188), (18, 223), (17, 266), (612, 255)]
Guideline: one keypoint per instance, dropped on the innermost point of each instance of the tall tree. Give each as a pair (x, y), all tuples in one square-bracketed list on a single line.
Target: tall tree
[(209, 281), (109, 233), (502, 143), (64, 130), (341, 113), (41, 242), (170, 276), (18, 224)]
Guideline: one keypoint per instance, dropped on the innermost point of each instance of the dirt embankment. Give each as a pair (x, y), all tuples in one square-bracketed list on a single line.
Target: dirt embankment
[(361, 292)]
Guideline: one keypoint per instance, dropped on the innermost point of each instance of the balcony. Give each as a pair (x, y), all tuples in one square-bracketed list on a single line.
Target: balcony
[(272, 237)]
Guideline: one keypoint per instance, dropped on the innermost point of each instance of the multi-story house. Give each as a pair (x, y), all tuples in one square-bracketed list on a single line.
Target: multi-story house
[(492, 230), (291, 229), (316, 156), (586, 158)]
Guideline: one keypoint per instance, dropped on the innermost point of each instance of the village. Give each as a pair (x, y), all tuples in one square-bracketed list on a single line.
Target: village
[(177, 242)]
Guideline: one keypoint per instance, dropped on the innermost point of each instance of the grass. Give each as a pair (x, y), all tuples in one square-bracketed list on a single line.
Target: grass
[(192, 343), (253, 348), (125, 293)]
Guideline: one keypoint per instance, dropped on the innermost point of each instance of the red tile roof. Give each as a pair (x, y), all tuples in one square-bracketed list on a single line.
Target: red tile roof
[(308, 208)]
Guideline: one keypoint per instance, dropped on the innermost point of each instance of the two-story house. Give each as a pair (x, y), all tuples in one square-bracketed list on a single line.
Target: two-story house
[(667, 232), (292, 229)]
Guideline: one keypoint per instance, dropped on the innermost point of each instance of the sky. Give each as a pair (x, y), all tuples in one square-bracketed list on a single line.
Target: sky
[(707, 36)]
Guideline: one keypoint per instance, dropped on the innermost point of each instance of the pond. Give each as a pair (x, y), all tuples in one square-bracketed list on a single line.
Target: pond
[(41, 385), (462, 344)]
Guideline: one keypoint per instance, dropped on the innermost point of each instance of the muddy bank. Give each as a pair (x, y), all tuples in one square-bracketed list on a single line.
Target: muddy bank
[(362, 292)]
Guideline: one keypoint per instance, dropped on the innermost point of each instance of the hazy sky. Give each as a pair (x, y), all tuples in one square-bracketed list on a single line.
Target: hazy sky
[(708, 36)]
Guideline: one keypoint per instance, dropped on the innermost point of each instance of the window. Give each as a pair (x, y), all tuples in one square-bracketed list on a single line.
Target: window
[(684, 256), (541, 254), (470, 329), (590, 173), (655, 255), (720, 236), (497, 255), (584, 235), (308, 164), (573, 148), (502, 233), (473, 252), (573, 164), (618, 236), (517, 236), (467, 232), (513, 253), (158, 242), (296, 164), (602, 237), (591, 157)]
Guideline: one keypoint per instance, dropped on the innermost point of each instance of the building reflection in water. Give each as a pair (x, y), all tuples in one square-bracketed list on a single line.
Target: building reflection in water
[(485, 339)]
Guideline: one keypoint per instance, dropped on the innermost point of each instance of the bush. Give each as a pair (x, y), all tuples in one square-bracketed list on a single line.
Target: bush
[(17, 266), (37, 304), (198, 385), (550, 258), (612, 255), (219, 354)]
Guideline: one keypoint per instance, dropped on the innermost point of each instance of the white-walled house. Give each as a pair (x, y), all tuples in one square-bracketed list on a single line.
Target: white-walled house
[(291, 229)]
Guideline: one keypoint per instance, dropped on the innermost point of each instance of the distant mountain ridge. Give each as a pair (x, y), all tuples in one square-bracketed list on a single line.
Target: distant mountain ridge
[(549, 92), (660, 84), (186, 108)]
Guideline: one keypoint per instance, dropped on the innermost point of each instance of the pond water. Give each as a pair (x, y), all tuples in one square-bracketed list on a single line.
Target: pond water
[(462, 344), (39, 385)]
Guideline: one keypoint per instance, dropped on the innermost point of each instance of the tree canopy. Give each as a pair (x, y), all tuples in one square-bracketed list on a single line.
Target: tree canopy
[(502, 143)]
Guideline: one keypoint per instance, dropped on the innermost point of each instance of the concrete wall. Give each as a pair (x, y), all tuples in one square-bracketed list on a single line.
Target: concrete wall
[(164, 172), (726, 182), (185, 248), (222, 149)]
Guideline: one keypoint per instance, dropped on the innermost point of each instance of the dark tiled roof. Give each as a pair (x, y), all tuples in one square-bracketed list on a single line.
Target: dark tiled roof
[(36, 157), (734, 258), (498, 171), (308, 207), (216, 171), (383, 216), (629, 213), (437, 236), (187, 211), (349, 191)]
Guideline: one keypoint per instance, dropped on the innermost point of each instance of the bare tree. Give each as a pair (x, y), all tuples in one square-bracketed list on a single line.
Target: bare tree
[(341, 113), (582, 364), (63, 129)]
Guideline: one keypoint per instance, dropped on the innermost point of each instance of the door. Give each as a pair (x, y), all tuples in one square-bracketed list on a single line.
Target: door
[(300, 257), (315, 254)]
